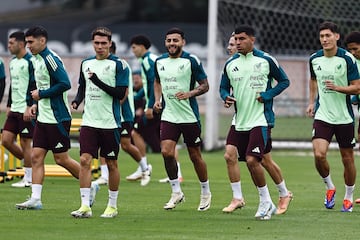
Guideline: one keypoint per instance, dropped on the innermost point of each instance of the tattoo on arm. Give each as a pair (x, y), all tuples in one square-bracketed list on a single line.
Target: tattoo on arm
[(201, 89)]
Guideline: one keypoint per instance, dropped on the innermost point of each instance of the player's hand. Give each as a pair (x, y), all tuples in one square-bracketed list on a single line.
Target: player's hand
[(27, 116), (310, 110), (74, 105), (229, 101), (32, 111), (182, 95), (149, 113), (157, 106), (329, 85), (35, 94)]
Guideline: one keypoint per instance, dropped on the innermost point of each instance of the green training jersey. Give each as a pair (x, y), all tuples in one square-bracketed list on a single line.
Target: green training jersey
[(22, 79), (148, 78), (358, 96), (102, 110), (128, 106), (179, 75), (331, 106), (246, 77), (53, 83)]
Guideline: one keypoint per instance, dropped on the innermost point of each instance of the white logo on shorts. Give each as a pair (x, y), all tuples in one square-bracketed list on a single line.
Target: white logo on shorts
[(111, 154), (256, 150), (59, 145), (25, 130)]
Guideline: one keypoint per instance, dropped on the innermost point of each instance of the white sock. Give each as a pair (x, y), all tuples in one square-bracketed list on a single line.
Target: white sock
[(143, 164), (104, 171), (36, 191), (113, 196), (179, 170), (175, 185), (236, 189), (28, 174), (349, 190), (85, 196), (144, 159), (329, 183), (264, 194), (283, 191), (205, 187)]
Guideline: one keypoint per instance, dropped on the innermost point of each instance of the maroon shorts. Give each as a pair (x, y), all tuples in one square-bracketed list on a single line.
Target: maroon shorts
[(344, 133), (255, 142), (191, 132), (107, 140), (149, 129), (15, 123), (126, 128), (54, 137)]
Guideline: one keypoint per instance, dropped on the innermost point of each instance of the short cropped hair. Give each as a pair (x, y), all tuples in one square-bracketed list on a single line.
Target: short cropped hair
[(249, 30), (113, 47), (18, 35), (101, 31), (176, 30), (141, 40), (37, 31), (352, 37), (329, 25)]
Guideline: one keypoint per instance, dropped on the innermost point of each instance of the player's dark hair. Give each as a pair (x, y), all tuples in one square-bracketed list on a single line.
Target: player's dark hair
[(352, 37), (113, 47), (37, 31), (141, 40), (101, 31), (329, 25), (18, 35), (176, 30), (249, 30)]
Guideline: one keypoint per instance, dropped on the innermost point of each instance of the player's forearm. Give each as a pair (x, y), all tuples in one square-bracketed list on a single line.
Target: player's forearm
[(201, 89), (157, 91)]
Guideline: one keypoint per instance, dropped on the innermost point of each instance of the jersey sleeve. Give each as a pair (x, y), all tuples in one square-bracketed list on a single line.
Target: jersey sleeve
[(225, 85), (277, 73), (60, 78)]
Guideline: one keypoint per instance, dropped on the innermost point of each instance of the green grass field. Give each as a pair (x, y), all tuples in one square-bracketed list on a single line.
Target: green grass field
[(141, 215)]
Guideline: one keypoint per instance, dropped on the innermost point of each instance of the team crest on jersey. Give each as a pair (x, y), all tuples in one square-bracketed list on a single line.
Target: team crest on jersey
[(338, 68), (106, 70), (181, 68), (257, 67)]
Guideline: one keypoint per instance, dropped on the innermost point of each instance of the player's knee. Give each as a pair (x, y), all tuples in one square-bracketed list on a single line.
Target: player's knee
[(230, 158)]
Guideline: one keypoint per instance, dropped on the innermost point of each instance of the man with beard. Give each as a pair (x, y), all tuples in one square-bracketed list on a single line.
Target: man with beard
[(176, 75)]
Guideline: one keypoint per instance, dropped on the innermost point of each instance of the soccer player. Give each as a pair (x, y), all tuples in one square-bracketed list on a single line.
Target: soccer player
[(334, 77), (51, 132), (127, 123), (19, 119), (231, 47), (254, 117), (231, 157), (176, 73), (352, 43), (103, 83), (147, 130)]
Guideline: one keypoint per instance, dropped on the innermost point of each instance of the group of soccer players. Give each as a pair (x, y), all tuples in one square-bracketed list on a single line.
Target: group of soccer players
[(39, 112)]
